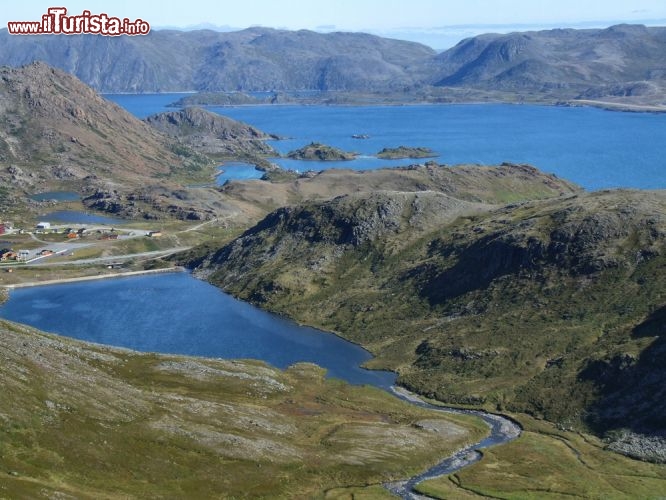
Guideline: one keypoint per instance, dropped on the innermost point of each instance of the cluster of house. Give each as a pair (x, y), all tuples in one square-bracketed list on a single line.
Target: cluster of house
[(7, 254)]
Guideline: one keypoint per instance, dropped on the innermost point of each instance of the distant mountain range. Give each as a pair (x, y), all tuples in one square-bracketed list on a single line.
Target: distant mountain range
[(617, 61), (253, 59)]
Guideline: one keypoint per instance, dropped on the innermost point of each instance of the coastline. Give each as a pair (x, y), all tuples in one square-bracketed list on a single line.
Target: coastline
[(91, 278), (618, 106), (550, 102)]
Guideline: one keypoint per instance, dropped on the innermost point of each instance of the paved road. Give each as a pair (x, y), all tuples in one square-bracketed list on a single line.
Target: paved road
[(112, 258)]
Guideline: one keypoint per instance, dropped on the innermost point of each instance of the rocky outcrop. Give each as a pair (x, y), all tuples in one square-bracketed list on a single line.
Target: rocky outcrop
[(316, 151), (149, 203), (215, 99), (211, 133), (405, 152)]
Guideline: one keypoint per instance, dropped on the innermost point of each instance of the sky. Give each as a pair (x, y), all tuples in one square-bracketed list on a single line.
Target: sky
[(438, 23)]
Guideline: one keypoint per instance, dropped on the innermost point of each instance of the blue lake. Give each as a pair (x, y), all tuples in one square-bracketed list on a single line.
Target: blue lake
[(176, 313), (76, 217), (56, 196), (595, 148), (236, 170)]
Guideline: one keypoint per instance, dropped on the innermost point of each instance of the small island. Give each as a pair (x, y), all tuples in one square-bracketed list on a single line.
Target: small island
[(405, 152), (316, 151), (216, 99)]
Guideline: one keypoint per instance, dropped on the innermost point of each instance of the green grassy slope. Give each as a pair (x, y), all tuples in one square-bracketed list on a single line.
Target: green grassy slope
[(550, 307), (86, 421)]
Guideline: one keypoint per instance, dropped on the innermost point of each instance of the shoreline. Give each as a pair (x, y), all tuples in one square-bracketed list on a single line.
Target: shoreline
[(617, 106), (77, 279), (548, 102)]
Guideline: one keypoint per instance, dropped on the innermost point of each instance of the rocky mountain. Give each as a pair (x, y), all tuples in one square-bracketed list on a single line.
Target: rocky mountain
[(568, 60), (552, 307), (552, 64), (212, 134), (252, 59), (57, 133), (54, 127)]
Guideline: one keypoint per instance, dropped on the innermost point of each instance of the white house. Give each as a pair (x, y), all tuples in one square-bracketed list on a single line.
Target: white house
[(44, 225)]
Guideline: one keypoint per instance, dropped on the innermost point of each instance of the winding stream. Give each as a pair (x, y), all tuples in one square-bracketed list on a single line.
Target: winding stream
[(502, 430)]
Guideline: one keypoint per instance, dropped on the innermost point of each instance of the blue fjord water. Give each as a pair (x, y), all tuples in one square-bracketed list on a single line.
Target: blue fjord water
[(595, 148)]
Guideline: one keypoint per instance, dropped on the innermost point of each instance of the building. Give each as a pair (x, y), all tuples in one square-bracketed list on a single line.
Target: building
[(44, 225), (7, 254), (23, 255), (154, 234)]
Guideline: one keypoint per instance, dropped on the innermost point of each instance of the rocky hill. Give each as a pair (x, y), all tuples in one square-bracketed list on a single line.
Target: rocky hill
[(553, 64), (552, 307), (212, 134), (57, 133), (55, 127)]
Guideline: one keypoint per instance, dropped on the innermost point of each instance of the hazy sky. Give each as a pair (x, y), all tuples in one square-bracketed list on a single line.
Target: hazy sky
[(440, 23)]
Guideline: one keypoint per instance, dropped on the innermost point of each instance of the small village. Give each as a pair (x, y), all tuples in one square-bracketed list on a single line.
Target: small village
[(49, 240)]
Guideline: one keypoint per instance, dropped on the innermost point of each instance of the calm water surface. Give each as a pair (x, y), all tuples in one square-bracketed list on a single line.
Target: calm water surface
[(595, 148), (237, 170), (178, 314), (144, 105), (56, 196), (76, 217)]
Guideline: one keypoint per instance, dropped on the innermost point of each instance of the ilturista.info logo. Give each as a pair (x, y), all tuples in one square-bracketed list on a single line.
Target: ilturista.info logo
[(57, 22)]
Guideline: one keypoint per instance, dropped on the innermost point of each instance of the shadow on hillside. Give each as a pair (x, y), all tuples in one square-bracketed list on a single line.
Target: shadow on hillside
[(478, 266), (632, 391)]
